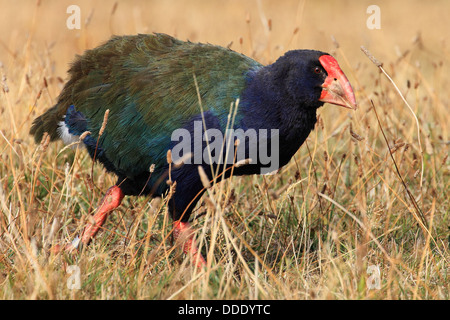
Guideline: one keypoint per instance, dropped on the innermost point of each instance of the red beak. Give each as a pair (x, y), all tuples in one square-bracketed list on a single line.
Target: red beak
[(336, 87)]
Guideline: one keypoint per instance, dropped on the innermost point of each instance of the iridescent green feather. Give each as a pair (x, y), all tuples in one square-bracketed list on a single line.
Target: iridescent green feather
[(147, 82)]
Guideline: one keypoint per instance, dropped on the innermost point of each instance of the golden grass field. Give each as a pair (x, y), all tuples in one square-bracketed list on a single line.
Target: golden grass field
[(320, 229)]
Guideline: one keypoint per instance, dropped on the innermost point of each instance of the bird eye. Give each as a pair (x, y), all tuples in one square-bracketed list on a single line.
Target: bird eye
[(317, 70)]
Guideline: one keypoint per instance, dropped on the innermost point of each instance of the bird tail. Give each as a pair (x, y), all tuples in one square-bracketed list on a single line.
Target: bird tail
[(47, 122)]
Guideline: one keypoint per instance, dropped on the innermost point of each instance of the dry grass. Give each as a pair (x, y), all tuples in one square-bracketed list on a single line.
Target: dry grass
[(310, 232)]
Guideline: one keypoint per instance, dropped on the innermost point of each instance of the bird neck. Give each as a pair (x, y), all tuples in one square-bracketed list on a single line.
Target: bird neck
[(267, 104)]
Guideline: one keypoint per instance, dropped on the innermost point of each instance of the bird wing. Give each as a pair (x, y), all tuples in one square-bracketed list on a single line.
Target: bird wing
[(147, 83)]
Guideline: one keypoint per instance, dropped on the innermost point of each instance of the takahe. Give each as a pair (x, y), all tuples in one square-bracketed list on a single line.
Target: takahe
[(165, 94)]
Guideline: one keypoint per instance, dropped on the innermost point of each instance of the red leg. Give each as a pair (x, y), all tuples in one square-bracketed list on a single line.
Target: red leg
[(182, 231), (111, 200)]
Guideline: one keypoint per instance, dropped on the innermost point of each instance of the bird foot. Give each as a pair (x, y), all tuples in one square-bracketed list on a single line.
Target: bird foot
[(110, 201), (72, 247), (182, 232)]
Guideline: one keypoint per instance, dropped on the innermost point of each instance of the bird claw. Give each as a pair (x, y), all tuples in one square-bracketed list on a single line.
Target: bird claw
[(73, 247), (75, 244)]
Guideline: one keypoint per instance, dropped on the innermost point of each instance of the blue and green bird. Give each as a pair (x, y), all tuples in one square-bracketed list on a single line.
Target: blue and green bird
[(155, 84)]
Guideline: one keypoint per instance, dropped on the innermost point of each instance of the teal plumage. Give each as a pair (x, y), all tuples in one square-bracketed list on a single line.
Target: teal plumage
[(147, 82)]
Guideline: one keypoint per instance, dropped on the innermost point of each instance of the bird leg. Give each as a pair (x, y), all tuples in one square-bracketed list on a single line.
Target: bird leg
[(111, 200), (182, 231)]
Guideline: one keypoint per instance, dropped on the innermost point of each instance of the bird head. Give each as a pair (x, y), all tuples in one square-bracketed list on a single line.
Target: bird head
[(314, 78)]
